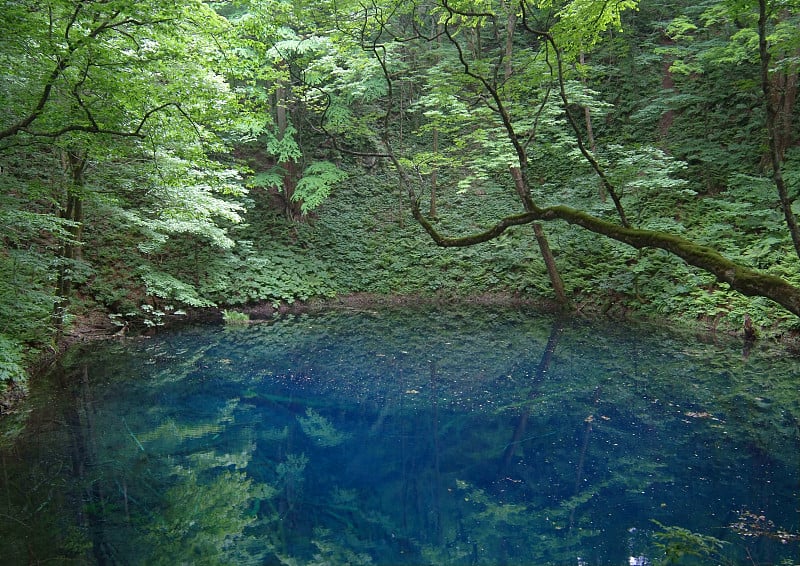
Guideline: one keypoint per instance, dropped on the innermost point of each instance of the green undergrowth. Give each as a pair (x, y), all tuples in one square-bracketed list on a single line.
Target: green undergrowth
[(364, 240)]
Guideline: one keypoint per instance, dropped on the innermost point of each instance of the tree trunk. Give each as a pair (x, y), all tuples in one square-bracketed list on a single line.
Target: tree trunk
[(587, 116), (550, 263), (774, 130), (432, 209), (72, 210), (435, 173), (511, 25), (292, 207), (522, 190), (547, 255)]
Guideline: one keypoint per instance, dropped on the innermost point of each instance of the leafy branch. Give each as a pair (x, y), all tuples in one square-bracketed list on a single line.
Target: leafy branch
[(743, 279), (559, 74), (93, 128), (64, 62)]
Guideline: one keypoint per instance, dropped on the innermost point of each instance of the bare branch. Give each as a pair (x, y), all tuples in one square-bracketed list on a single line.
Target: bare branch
[(607, 185)]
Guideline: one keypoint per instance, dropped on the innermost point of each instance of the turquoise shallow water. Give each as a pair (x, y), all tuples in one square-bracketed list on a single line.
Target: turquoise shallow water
[(478, 436)]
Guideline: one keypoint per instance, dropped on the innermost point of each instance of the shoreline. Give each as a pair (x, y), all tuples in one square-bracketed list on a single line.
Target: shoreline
[(96, 325)]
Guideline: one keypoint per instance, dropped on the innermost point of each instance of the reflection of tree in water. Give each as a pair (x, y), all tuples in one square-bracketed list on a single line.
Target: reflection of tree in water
[(520, 458), (493, 526), (57, 505), (204, 522), (129, 496), (197, 504)]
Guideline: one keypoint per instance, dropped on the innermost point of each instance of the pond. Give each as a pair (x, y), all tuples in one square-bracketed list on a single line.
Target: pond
[(462, 436)]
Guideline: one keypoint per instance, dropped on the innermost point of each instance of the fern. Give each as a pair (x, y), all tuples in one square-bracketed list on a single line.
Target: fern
[(235, 317), (678, 543), (11, 363), (320, 430), (266, 179)]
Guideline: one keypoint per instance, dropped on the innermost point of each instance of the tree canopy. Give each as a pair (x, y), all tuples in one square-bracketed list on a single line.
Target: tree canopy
[(162, 156)]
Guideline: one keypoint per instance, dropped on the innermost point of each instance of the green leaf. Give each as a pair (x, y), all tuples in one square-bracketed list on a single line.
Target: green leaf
[(316, 184)]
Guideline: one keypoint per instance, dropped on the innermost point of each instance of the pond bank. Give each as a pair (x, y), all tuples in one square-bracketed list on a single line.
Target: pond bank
[(96, 325)]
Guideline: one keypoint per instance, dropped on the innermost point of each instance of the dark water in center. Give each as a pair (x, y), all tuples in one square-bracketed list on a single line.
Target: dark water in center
[(479, 436)]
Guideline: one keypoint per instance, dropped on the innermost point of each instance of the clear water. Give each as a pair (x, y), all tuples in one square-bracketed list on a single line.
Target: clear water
[(480, 436)]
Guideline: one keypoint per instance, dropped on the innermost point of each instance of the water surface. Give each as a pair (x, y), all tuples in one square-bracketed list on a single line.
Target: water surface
[(479, 436)]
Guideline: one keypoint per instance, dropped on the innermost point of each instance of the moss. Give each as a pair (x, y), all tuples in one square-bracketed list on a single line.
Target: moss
[(741, 278)]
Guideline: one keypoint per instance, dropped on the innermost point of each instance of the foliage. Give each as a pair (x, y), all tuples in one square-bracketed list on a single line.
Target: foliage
[(571, 30), (165, 286), (678, 543), (106, 142), (244, 153), (235, 317)]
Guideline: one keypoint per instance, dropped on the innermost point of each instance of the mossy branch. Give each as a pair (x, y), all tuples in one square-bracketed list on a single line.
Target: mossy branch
[(743, 279)]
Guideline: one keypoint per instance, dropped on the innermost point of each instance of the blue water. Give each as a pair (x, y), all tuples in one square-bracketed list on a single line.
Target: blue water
[(479, 436)]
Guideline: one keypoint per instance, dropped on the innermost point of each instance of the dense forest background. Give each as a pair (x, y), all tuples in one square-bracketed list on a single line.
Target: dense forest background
[(620, 157)]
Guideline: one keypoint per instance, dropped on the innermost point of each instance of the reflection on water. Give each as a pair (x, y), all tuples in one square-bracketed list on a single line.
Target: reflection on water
[(469, 437)]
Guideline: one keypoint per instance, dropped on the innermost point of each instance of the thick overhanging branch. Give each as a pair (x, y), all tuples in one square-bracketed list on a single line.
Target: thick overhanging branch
[(14, 129), (740, 278), (471, 240)]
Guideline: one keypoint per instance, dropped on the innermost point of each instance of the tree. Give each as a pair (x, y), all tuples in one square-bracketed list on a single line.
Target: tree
[(555, 35), (753, 40), (780, 94), (114, 108), (283, 62)]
